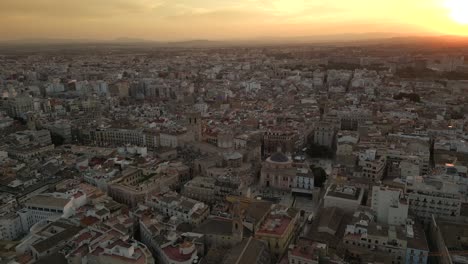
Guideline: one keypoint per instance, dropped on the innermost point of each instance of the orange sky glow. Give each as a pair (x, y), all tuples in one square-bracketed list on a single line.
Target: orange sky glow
[(227, 19)]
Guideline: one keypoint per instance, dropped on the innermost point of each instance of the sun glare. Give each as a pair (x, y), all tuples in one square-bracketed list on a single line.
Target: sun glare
[(458, 10)]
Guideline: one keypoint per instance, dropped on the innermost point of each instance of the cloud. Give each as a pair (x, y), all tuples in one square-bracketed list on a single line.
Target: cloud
[(73, 9), (184, 19)]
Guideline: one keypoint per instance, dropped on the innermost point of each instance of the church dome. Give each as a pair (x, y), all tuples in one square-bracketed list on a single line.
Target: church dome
[(279, 157)]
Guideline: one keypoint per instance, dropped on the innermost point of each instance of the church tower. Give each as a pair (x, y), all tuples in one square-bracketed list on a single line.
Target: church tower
[(237, 225), (195, 125), (31, 121)]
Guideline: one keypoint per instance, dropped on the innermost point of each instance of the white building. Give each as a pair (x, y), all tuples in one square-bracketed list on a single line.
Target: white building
[(11, 227), (324, 134), (371, 165), (182, 208), (49, 205), (433, 197), (345, 197), (304, 181), (390, 205)]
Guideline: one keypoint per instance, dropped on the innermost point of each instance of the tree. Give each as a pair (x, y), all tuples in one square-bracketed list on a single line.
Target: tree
[(411, 96), (317, 151), (320, 176), (57, 139)]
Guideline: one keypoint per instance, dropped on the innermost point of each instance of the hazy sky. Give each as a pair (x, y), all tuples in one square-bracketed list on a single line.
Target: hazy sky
[(225, 19)]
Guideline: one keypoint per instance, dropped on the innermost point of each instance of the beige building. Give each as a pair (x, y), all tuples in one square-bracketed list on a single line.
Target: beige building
[(278, 172), (134, 185), (278, 229)]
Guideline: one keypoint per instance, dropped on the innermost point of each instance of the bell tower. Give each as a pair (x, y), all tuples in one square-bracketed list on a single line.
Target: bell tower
[(194, 121), (31, 121), (237, 225)]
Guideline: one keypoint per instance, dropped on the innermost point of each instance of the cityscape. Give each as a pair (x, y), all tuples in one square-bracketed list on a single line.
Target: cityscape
[(340, 148)]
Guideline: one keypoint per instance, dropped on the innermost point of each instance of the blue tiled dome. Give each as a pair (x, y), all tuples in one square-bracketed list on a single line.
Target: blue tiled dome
[(279, 157)]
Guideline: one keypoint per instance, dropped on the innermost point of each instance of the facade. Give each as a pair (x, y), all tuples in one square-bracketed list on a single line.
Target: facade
[(367, 238), (195, 125), (304, 181), (390, 205), (61, 128), (278, 228), (28, 152), (11, 226), (433, 197), (47, 206), (350, 120), (121, 137), (345, 147), (324, 134), (403, 243), (417, 250), (95, 246), (283, 139), (133, 186), (201, 189), (19, 106), (371, 165), (278, 172)]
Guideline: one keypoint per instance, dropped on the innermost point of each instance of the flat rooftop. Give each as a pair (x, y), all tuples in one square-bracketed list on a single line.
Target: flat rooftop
[(344, 192)]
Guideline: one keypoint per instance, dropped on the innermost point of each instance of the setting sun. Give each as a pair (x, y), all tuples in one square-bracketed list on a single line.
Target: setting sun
[(458, 10)]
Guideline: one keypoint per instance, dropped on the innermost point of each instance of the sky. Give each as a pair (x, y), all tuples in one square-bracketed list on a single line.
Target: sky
[(170, 20)]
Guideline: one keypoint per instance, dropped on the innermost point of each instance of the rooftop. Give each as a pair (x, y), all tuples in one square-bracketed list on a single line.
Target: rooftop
[(344, 192), (48, 200)]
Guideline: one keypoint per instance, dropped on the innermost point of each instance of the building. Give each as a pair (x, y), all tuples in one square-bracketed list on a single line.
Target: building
[(415, 148), (303, 182), (182, 208), (93, 245), (168, 245), (345, 147), (433, 197), (61, 128), (28, 152), (226, 185), (278, 229), (371, 165), (345, 197), (134, 184), (195, 125), (284, 139), (350, 120), (324, 134), (449, 240), (306, 252), (48, 239), (390, 205), (365, 238), (19, 106), (11, 227), (201, 189), (278, 172), (417, 250), (48, 206), (250, 250), (125, 136)]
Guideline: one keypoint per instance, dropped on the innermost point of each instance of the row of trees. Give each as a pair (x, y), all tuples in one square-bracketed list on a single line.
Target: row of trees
[(410, 96)]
